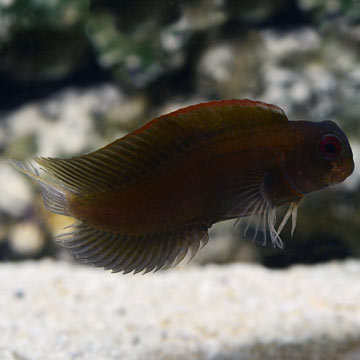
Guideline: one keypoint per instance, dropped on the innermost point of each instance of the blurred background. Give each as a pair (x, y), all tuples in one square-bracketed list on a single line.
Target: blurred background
[(76, 75)]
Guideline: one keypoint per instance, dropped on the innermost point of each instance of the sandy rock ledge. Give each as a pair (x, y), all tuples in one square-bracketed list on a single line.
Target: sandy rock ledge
[(51, 310)]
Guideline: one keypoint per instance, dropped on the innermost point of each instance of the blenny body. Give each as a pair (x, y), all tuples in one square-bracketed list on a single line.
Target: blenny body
[(147, 198)]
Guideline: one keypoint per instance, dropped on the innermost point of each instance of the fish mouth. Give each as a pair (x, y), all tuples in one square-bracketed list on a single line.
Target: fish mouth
[(341, 171)]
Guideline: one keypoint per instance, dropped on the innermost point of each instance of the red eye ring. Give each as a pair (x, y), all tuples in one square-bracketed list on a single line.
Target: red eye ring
[(330, 146)]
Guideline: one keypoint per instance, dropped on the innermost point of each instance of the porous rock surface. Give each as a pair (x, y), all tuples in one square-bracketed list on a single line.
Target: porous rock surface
[(54, 310)]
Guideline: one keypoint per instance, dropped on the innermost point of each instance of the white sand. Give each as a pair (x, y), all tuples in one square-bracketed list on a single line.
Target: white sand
[(51, 310)]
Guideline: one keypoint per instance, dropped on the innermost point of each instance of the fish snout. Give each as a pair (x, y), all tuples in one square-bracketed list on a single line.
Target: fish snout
[(341, 170)]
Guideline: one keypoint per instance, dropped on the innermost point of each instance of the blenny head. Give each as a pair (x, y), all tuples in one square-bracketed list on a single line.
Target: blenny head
[(320, 156)]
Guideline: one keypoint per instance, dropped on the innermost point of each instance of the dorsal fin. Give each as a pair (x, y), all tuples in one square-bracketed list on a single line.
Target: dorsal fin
[(162, 139)]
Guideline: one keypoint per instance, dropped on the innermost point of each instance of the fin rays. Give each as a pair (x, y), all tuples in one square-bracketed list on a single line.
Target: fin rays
[(265, 219), (253, 202), (54, 196), (126, 253)]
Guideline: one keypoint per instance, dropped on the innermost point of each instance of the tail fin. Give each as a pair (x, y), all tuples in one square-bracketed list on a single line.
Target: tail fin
[(53, 194)]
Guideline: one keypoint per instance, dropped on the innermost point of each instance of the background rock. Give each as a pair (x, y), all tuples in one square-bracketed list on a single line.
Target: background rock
[(76, 75)]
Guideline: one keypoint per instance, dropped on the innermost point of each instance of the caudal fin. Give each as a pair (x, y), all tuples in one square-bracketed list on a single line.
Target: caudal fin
[(54, 195)]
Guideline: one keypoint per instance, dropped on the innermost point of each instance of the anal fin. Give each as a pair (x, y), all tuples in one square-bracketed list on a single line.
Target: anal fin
[(129, 253)]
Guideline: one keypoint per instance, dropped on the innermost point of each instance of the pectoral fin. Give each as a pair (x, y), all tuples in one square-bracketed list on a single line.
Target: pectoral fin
[(250, 196)]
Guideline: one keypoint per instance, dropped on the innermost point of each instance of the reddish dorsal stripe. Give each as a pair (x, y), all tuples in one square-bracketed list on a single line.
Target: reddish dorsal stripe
[(215, 103), (210, 104)]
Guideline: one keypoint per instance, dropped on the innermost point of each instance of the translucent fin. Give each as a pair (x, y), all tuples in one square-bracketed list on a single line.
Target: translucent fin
[(294, 214), (274, 234), (252, 201), (54, 195), (249, 196), (292, 211), (126, 253), (242, 194), (285, 218)]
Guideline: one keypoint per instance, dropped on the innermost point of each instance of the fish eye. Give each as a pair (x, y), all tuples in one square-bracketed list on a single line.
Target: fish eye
[(330, 146)]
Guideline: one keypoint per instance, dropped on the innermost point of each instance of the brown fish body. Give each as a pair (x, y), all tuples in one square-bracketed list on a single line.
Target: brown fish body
[(190, 189), (145, 199)]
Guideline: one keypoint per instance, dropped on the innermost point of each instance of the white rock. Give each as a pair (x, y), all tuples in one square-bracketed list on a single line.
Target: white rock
[(277, 45), (25, 238), (59, 311), (330, 5), (65, 124), (218, 62), (16, 193)]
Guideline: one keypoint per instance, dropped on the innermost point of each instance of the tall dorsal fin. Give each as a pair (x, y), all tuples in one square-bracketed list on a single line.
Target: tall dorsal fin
[(162, 139)]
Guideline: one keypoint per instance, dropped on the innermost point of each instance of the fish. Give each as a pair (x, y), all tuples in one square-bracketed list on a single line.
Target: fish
[(144, 201)]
